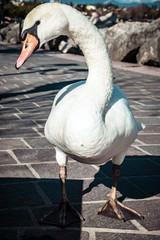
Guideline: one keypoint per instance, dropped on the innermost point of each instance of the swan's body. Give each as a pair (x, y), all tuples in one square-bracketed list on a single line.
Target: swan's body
[(90, 121), (85, 132)]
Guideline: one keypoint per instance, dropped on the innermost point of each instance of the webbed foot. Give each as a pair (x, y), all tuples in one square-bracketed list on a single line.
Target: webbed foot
[(62, 216), (115, 209)]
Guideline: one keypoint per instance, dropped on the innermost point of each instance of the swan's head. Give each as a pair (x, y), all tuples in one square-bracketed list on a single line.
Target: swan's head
[(43, 23)]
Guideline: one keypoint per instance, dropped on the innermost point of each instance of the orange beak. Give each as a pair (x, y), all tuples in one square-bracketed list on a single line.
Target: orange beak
[(29, 45)]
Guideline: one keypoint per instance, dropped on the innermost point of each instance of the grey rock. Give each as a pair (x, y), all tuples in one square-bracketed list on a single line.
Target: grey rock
[(107, 20), (126, 39), (149, 53)]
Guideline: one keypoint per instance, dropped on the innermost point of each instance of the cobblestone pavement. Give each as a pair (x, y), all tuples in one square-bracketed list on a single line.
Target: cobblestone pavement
[(29, 181)]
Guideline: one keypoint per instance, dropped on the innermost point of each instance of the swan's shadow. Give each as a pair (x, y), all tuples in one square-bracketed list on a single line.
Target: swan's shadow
[(25, 200), (139, 177)]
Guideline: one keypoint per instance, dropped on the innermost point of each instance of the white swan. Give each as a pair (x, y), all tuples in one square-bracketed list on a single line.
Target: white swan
[(90, 121)]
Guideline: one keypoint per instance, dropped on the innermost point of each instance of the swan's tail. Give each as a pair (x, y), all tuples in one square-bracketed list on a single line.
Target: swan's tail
[(140, 126)]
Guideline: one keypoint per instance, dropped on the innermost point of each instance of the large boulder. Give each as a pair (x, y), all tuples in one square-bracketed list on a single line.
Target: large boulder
[(125, 40), (149, 53), (10, 33)]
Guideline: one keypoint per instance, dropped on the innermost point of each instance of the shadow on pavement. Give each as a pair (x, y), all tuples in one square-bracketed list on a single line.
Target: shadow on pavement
[(25, 200), (139, 177)]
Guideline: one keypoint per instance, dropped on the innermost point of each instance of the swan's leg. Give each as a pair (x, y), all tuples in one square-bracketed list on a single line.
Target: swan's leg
[(113, 208), (64, 214)]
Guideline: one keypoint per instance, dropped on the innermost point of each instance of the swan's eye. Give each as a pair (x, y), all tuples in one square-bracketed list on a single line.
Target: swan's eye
[(26, 44), (37, 22)]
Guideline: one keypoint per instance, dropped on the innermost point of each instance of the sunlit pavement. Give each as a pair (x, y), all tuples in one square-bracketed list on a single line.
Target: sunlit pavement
[(29, 174)]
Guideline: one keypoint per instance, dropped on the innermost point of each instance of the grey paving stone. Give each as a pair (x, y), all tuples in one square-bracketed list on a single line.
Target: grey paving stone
[(8, 234), (5, 158), (19, 195), (156, 159), (150, 210), (14, 173), (8, 111), (17, 132), (149, 185), (35, 116), (12, 144), (17, 123), (121, 236), (40, 122), (15, 218), (75, 170), (39, 142), (151, 129), (153, 113), (89, 212), (52, 189), (10, 117), (152, 149), (134, 166), (97, 190), (149, 120), (55, 235), (132, 151), (35, 155), (34, 110), (147, 107), (147, 139)]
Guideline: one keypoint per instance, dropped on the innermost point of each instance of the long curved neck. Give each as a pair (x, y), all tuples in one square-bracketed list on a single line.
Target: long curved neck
[(94, 48)]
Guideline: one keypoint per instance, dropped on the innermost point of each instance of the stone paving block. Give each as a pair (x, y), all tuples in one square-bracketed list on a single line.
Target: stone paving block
[(44, 103), (96, 190), (146, 107), (52, 189), (15, 218), (35, 155), (79, 170), (149, 185), (124, 236), (132, 151), (139, 114), (47, 170), (17, 132), (133, 166), (40, 122), (125, 188), (17, 123), (19, 195), (147, 139), (92, 219), (39, 142), (150, 101), (7, 111), (150, 210), (156, 159), (55, 235), (12, 144), (8, 234), (152, 149), (35, 110), (75, 170), (40, 130), (35, 116), (5, 158), (14, 173), (151, 129), (8, 117)]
